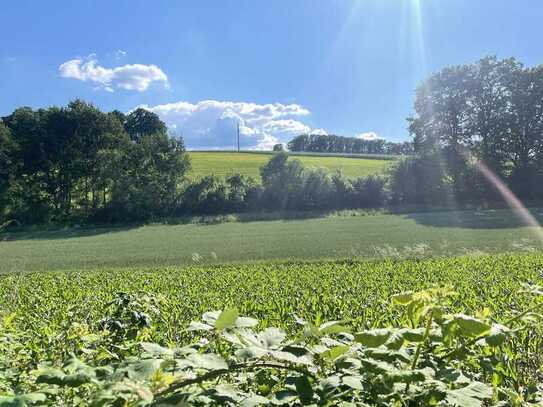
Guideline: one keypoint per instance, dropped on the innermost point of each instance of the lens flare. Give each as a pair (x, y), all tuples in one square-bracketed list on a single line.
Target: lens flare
[(509, 197)]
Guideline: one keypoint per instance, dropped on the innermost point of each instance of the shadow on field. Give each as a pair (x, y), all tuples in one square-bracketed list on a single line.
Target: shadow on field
[(475, 219), (64, 233)]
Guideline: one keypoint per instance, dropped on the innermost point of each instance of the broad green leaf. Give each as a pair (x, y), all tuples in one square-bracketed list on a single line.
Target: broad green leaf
[(304, 389), (330, 383), (402, 298), (406, 376), (155, 349), (284, 397), (271, 337), (77, 379), (497, 335), (372, 338), (227, 319), (412, 335), (471, 326), (199, 326), (333, 327), (335, 352), (473, 395), (254, 401), (208, 361), (354, 382), (143, 369), (244, 322), (51, 376)]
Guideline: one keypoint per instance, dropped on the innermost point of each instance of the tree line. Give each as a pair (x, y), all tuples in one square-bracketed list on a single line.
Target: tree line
[(329, 143), (79, 163)]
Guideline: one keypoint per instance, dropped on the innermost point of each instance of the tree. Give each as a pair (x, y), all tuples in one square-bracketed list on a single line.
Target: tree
[(278, 147), (141, 122), (7, 167)]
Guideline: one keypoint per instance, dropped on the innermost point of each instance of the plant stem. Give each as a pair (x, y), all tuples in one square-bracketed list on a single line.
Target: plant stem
[(421, 344), (216, 373)]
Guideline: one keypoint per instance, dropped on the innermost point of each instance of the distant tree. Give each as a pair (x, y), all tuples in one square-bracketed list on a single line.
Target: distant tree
[(7, 167), (278, 147), (141, 122)]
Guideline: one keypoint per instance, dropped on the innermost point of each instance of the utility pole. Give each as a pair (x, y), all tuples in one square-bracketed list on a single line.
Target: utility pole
[(238, 137)]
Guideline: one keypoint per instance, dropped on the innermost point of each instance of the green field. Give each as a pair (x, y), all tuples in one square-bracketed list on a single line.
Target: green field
[(246, 163), (357, 291), (334, 237), (56, 319)]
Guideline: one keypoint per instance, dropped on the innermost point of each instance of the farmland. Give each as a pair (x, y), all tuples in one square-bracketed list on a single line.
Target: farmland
[(223, 163), (51, 316), (340, 236)]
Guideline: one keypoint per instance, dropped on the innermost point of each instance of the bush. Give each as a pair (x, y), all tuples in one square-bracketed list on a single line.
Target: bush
[(439, 358)]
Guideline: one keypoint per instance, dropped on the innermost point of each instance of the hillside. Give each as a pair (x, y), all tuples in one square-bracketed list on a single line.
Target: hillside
[(223, 163)]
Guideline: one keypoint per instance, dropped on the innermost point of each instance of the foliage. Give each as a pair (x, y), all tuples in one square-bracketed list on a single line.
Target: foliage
[(492, 111), (329, 143), (427, 352), (77, 162)]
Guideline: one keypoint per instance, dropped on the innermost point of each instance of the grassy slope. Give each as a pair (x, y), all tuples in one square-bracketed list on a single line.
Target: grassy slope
[(226, 163), (439, 233)]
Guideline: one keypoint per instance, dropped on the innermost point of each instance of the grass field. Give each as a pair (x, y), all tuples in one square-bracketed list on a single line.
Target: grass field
[(334, 237), (227, 163)]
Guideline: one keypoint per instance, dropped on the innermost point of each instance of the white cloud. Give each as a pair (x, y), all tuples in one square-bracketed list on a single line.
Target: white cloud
[(370, 135), (213, 124), (136, 77), (119, 54)]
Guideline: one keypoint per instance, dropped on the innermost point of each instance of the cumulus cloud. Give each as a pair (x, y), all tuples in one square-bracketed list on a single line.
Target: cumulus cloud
[(213, 124), (136, 77), (370, 135)]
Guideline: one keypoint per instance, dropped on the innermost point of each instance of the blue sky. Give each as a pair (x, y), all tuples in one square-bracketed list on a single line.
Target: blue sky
[(277, 67)]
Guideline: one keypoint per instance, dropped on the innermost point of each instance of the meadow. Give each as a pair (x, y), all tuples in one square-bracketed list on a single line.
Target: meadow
[(223, 163), (344, 235)]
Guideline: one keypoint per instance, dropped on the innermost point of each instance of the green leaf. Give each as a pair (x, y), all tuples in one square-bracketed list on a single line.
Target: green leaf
[(199, 326), (227, 319), (472, 395), (372, 338), (77, 379), (254, 401), (412, 335), (155, 349), (406, 376), (498, 334), (395, 341), (354, 382), (304, 389), (244, 322), (51, 376), (284, 397), (333, 327), (142, 370), (208, 361), (271, 337), (471, 326), (402, 298), (330, 383), (335, 352)]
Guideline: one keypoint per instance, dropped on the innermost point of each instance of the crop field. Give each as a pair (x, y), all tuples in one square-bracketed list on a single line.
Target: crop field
[(246, 163), (96, 320), (341, 236)]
